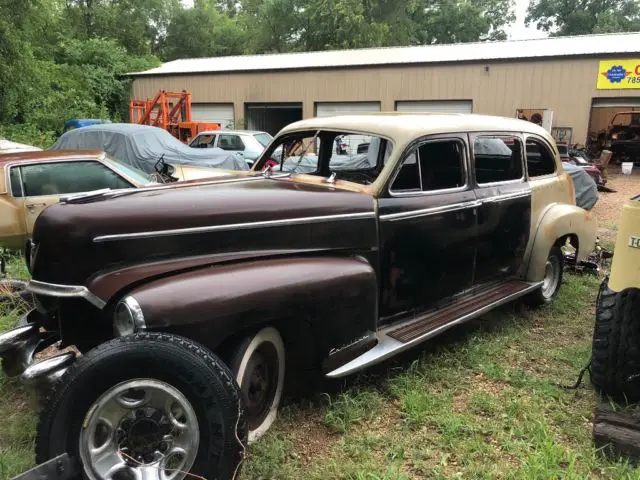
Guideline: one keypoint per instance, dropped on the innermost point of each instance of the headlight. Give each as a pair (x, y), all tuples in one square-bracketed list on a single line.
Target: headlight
[(614, 136), (128, 317)]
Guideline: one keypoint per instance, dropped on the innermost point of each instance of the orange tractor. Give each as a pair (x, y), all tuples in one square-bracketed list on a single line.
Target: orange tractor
[(170, 111)]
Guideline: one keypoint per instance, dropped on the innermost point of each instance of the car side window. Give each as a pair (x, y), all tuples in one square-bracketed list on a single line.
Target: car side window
[(204, 141), (16, 184), (69, 177), (431, 166), (230, 142), (497, 159), (540, 160)]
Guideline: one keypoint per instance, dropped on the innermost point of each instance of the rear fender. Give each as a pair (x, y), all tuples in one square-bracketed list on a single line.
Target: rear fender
[(337, 295), (556, 222)]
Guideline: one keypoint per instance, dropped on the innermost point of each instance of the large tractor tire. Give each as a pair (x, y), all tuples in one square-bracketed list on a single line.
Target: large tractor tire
[(148, 405), (615, 362)]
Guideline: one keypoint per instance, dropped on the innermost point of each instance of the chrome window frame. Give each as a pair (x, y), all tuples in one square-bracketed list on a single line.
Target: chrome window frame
[(523, 166), (455, 137)]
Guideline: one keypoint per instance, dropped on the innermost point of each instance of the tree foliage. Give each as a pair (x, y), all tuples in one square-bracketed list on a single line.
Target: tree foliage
[(578, 17), (61, 59)]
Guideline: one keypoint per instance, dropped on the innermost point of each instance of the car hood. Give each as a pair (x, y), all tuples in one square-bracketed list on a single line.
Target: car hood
[(82, 237)]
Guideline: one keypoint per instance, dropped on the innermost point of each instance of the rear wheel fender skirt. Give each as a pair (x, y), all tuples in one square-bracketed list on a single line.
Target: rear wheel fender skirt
[(557, 221), (337, 294)]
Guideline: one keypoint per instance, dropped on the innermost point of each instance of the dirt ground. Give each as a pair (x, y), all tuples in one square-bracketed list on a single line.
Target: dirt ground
[(607, 209)]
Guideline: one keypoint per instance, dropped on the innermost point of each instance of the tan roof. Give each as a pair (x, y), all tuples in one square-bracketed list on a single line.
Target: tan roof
[(404, 127)]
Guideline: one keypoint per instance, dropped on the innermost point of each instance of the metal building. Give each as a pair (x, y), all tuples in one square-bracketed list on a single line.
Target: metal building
[(575, 84)]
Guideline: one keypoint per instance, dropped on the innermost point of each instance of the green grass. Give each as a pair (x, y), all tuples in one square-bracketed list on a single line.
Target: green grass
[(18, 421), (481, 401)]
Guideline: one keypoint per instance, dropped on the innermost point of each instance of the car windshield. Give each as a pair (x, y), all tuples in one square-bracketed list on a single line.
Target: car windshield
[(263, 138), (353, 156), (137, 175), (626, 118)]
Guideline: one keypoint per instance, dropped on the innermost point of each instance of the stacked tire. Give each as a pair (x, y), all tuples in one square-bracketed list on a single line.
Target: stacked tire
[(615, 363)]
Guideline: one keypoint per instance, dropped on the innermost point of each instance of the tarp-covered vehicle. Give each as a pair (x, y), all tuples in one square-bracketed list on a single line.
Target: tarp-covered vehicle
[(142, 146)]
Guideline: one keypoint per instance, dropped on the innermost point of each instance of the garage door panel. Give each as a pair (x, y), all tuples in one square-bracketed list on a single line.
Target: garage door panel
[(435, 106), (328, 109), (221, 113)]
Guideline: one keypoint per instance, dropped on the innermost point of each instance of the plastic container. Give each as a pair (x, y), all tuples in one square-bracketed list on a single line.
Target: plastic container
[(627, 167)]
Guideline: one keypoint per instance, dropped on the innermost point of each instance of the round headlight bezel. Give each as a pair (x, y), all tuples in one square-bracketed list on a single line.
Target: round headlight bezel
[(128, 317)]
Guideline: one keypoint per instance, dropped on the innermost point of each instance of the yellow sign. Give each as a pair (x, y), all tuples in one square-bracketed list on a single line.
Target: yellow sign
[(618, 74)]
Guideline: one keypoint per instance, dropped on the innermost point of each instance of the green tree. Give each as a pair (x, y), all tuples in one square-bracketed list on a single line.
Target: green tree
[(579, 17), (202, 31)]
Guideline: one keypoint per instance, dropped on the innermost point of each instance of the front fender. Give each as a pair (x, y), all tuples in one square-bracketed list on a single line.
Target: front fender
[(557, 221), (338, 295)]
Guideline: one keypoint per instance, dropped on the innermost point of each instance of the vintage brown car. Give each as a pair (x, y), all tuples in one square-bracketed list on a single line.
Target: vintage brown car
[(330, 261)]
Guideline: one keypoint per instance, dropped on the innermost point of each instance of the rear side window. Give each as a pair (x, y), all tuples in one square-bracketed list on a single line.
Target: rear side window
[(497, 159), (431, 166), (230, 142), (540, 160), (68, 177)]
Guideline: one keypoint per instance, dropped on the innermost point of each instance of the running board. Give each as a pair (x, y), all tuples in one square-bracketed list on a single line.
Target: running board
[(407, 334)]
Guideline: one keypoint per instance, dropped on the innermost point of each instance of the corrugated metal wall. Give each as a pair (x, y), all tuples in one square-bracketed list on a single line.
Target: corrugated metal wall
[(566, 86)]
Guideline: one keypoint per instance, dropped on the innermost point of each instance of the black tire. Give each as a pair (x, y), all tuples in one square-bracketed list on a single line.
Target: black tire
[(264, 355), (615, 360), (542, 296), (194, 371)]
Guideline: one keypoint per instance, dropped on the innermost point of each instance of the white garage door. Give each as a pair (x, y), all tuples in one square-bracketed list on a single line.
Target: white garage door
[(221, 113), (327, 109), (435, 106)]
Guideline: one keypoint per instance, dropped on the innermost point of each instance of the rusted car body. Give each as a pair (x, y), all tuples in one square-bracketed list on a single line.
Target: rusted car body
[(622, 137), (444, 218)]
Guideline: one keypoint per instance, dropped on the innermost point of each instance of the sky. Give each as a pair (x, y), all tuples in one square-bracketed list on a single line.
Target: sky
[(517, 31)]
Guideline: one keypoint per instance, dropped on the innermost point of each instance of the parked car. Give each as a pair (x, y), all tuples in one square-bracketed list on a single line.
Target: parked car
[(277, 273), (74, 123), (615, 361), (622, 137), (586, 189), (142, 147), (248, 143), (31, 181), (7, 146), (579, 158)]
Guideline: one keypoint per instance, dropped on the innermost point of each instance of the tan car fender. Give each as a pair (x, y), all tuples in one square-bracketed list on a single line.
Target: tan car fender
[(555, 222)]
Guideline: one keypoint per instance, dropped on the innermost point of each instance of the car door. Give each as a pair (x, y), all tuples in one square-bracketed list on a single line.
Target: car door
[(427, 227), (44, 183), (504, 217)]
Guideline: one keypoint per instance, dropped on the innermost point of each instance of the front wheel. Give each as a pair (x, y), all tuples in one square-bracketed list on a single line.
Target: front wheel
[(148, 405), (258, 366), (552, 279)]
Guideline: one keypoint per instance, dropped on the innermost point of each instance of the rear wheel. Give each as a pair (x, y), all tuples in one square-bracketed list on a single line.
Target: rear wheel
[(149, 406), (552, 279), (259, 368), (615, 359)]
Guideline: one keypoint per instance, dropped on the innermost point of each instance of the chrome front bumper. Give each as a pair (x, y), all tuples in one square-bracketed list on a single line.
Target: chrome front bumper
[(18, 348)]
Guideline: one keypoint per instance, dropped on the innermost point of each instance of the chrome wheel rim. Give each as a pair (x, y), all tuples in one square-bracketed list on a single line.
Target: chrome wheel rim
[(551, 277), (141, 429)]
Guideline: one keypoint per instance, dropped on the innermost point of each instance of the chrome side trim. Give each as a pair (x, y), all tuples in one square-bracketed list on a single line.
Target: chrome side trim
[(65, 291), (388, 347), (431, 211), (233, 226), (506, 196)]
